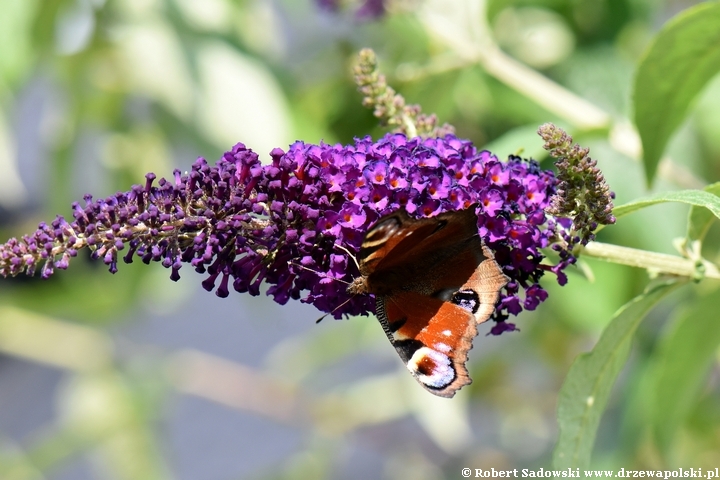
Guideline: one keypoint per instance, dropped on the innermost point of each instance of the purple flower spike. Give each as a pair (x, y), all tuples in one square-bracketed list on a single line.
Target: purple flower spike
[(291, 223)]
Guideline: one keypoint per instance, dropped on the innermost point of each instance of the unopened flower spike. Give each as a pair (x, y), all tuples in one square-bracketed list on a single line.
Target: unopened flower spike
[(582, 193), (390, 106)]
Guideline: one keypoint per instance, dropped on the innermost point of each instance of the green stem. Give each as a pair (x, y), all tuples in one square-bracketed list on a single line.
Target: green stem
[(657, 262)]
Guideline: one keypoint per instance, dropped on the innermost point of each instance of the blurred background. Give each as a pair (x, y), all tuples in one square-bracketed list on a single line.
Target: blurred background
[(132, 376)]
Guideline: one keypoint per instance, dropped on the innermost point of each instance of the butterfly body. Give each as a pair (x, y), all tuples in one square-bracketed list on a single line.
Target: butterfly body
[(434, 281)]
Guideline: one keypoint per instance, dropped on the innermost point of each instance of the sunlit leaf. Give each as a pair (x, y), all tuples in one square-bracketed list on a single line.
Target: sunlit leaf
[(691, 197), (585, 393), (700, 219), (683, 58)]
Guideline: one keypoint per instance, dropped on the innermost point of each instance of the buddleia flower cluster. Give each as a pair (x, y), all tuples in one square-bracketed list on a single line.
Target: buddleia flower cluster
[(293, 223)]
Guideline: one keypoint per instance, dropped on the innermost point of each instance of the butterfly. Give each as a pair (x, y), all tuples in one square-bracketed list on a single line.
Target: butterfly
[(434, 280)]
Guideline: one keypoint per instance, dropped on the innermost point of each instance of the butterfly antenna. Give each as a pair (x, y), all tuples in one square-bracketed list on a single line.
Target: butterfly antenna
[(321, 274), (335, 309), (350, 254)]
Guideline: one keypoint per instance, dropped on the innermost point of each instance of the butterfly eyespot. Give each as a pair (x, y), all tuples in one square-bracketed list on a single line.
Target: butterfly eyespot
[(433, 369), (425, 365), (467, 299)]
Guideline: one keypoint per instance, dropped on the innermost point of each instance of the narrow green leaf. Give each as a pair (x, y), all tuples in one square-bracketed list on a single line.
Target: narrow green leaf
[(586, 389), (681, 60), (700, 219), (685, 356), (698, 198)]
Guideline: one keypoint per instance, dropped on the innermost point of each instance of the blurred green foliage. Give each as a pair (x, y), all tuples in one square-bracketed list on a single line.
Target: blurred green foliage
[(96, 93)]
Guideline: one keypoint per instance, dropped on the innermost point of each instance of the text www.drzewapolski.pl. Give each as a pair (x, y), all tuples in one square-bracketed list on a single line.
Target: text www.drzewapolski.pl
[(577, 473)]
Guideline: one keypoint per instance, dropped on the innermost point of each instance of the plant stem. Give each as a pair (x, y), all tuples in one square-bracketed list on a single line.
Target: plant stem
[(656, 262)]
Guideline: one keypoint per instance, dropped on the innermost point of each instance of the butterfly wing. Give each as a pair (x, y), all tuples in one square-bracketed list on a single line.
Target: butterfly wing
[(434, 281), (432, 338), (397, 240)]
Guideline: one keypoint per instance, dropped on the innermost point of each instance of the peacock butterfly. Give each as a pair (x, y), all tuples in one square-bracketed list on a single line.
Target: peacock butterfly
[(434, 280)]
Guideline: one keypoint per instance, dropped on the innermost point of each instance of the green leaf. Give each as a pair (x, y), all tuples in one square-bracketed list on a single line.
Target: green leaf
[(700, 219), (682, 59), (586, 389), (698, 198), (685, 356)]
